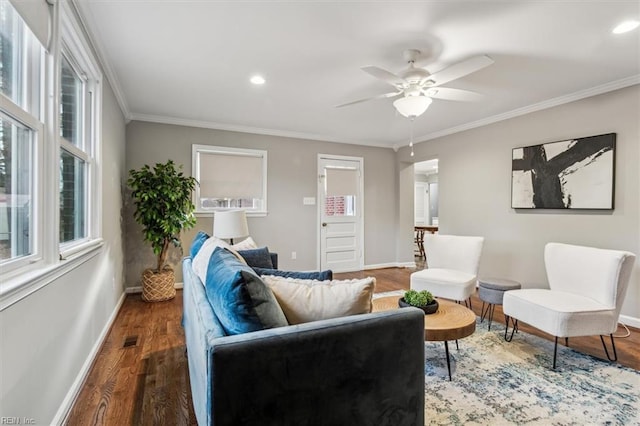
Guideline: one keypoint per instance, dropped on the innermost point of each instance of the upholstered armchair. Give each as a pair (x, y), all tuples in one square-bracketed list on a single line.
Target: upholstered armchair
[(453, 263), (587, 287)]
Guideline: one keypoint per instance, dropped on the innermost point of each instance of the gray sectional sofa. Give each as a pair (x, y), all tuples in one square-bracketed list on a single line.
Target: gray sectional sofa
[(363, 369)]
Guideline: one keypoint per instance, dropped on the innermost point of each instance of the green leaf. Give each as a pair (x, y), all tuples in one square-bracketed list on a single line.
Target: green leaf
[(162, 198)]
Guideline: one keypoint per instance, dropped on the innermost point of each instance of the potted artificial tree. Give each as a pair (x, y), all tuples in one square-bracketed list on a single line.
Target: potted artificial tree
[(162, 197), (419, 299)]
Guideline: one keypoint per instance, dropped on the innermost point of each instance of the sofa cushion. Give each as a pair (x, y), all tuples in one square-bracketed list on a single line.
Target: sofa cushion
[(320, 276), (311, 300), (240, 299), (246, 244), (257, 258), (200, 262), (197, 243)]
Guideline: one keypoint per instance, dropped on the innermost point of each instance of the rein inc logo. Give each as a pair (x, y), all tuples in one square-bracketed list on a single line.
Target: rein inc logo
[(17, 421)]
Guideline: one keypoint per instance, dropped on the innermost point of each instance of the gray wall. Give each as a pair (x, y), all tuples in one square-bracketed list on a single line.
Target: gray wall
[(48, 336), (475, 189), (292, 175)]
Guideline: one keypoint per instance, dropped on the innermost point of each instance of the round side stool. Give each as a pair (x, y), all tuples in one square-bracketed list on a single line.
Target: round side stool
[(491, 292)]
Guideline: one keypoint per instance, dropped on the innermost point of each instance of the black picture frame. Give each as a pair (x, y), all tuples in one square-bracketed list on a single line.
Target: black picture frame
[(571, 174)]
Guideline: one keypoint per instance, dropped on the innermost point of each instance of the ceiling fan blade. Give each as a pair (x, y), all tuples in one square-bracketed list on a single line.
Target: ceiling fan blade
[(384, 75), (450, 94), (460, 69), (383, 96)]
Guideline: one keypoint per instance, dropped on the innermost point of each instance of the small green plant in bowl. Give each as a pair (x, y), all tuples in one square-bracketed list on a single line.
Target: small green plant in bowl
[(420, 299)]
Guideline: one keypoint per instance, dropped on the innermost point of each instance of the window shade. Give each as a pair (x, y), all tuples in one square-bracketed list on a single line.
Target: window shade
[(35, 14), (230, 176), (341, 182)]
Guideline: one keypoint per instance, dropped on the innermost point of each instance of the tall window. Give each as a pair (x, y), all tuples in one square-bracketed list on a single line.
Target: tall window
[(230, 178), (48, 144), (20, 135), (75, 151)]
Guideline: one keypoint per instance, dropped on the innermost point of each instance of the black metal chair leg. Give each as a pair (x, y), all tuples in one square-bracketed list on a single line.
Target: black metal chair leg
[(555, 352), (566, 341), (506, 329), (606, 351), (493, 308), (483, 313)]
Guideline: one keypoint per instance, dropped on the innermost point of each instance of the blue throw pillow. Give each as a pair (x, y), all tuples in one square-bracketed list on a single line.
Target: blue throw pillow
[(320, 276), (197, 243), (257, 258), (239, 298)]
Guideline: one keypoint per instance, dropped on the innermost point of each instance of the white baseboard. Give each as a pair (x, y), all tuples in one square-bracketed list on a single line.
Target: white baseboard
[(69, 399), (391, 265), (138, 289), (630, 321)]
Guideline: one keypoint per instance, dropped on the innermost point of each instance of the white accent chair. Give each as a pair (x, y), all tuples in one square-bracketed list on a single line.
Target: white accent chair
[(587, 287), (452, 266)]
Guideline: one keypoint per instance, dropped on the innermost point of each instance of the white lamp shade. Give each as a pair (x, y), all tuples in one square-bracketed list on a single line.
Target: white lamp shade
[(230, 224), (412, 106)]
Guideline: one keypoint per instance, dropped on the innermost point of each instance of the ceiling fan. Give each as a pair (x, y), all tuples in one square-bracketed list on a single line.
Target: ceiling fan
[(419, 87)]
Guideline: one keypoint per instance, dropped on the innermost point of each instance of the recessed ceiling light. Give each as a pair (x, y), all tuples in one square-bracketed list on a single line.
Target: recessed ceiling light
[(257, 79), (626, 27)]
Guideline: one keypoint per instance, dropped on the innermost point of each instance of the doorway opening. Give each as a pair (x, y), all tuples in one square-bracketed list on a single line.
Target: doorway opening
[(425, 215), (425, 180)]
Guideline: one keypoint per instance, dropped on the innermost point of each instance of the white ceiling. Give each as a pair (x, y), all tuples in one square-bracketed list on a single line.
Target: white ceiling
[(189, 62)]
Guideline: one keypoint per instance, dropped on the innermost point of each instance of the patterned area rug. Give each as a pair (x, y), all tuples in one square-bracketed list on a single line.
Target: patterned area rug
[(501, 383)]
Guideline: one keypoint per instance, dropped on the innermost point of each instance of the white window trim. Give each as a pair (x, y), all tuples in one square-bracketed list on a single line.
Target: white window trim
[(16, 288), (77, 51), (30, 115), (50, 260), (18, 114), (210, 149)]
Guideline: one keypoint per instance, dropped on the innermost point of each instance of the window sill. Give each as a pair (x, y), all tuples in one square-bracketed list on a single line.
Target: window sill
[(249, 213), (26, 282)]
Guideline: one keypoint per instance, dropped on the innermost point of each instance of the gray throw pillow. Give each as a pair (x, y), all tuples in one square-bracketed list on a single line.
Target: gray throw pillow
[(257, 258)]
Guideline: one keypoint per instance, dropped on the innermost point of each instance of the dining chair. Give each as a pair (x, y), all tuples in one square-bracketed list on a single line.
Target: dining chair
[(418, 239)]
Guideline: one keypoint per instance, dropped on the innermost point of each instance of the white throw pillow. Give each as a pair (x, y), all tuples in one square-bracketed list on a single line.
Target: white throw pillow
[(200, 262), (311, 300), (246, 244)]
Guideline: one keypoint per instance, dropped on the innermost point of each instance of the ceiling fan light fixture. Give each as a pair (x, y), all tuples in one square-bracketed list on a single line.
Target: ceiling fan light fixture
[(257, 80), (412, 106), (625, 27)]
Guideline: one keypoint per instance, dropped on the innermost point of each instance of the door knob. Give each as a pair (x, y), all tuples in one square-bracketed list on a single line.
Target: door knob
[(324, 223)]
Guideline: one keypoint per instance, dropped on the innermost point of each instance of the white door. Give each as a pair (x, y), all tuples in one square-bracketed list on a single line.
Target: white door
[(340, 188)]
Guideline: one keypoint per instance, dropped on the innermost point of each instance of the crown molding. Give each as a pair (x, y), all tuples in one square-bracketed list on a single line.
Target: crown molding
[(248, 129), (550, 103), (86, 20)]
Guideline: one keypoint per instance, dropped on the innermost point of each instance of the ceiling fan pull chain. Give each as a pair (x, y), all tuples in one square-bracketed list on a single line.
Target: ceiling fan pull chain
[(411, 136)]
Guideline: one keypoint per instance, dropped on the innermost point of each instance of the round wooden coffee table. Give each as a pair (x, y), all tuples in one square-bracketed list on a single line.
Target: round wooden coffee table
[(452, 321)]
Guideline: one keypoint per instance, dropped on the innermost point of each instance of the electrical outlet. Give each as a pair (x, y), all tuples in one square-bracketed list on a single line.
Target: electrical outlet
[(294, 255)]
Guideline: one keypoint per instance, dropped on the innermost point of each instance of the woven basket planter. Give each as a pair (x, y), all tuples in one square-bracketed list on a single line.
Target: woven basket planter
[(158, 286)]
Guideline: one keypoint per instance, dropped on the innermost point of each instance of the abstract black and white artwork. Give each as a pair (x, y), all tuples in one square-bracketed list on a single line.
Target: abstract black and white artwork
[(571, 174)]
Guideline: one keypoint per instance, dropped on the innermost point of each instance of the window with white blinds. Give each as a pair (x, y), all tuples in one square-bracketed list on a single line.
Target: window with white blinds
[(230, 179)]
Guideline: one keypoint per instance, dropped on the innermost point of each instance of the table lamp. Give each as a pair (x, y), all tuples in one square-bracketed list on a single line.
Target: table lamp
[(230, 224)]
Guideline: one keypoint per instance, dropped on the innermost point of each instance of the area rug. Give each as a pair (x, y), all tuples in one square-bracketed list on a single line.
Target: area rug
[(501, 383)]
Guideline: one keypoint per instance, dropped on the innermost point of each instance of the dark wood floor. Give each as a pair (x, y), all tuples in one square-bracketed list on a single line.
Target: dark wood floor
[(140, 376)]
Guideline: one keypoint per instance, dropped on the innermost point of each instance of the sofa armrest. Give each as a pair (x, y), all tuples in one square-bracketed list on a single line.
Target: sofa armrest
[(274, 259), (357, 370)]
